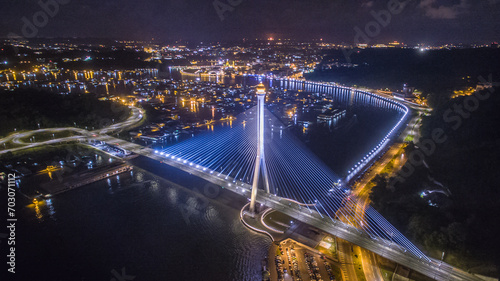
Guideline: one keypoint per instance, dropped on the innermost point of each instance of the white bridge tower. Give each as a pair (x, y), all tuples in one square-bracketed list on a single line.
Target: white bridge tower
[(260, 163)]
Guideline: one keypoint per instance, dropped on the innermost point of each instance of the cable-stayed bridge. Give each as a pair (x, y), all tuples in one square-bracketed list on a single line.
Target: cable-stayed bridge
[(427, 266), (257, 157), (292, 175), (292, 172)]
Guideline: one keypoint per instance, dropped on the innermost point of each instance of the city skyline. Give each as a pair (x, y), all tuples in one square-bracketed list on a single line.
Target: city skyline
[(413, 22)]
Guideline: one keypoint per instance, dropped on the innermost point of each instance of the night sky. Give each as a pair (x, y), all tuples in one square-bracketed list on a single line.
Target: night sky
[(421, 21)]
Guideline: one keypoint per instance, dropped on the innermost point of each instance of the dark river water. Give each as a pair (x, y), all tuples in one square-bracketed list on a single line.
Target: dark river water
[(153, 228)]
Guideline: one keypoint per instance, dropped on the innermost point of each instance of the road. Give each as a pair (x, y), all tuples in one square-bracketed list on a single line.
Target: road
[(362, 188), (137, 115), (347, 264), (433, 268), (391, 251), (370, 266), (382, 248)]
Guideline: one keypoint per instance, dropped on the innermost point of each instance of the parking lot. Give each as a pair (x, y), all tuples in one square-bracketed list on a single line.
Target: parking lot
[(294, 261)]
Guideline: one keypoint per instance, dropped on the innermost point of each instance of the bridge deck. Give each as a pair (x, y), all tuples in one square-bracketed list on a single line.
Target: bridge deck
[(433, 268)]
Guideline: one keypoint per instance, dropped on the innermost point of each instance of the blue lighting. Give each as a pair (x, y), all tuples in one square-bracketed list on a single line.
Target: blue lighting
[(293, 172)]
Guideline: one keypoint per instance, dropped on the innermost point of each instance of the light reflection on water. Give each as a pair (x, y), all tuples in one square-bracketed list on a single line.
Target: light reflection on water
[(142, 225), (39, 215), (51, 210)]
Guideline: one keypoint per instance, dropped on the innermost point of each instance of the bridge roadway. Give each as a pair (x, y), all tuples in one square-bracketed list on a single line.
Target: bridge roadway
[(434, 269)]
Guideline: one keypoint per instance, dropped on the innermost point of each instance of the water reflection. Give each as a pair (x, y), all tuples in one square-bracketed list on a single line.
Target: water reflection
[(155, 185), (172, 195), (173, 221), (52, 210), (39, 215)]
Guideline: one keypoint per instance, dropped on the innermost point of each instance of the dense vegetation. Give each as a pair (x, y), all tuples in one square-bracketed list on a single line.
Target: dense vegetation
[(25, 109), (432, 71), (465, 222)]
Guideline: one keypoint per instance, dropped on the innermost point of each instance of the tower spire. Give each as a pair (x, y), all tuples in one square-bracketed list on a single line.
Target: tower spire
[(259, 161)]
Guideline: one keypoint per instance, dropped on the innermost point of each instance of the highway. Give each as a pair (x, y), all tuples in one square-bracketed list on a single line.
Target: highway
[(345, 257), (434, 269), (136, 116), (370, 266), (361, 189)]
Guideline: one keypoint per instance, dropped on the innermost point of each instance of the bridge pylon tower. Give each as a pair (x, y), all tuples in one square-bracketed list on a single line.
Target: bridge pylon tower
[(260, 163)]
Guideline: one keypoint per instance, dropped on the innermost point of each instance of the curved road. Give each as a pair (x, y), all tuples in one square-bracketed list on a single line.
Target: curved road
[(433, 268), (136, 116)]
